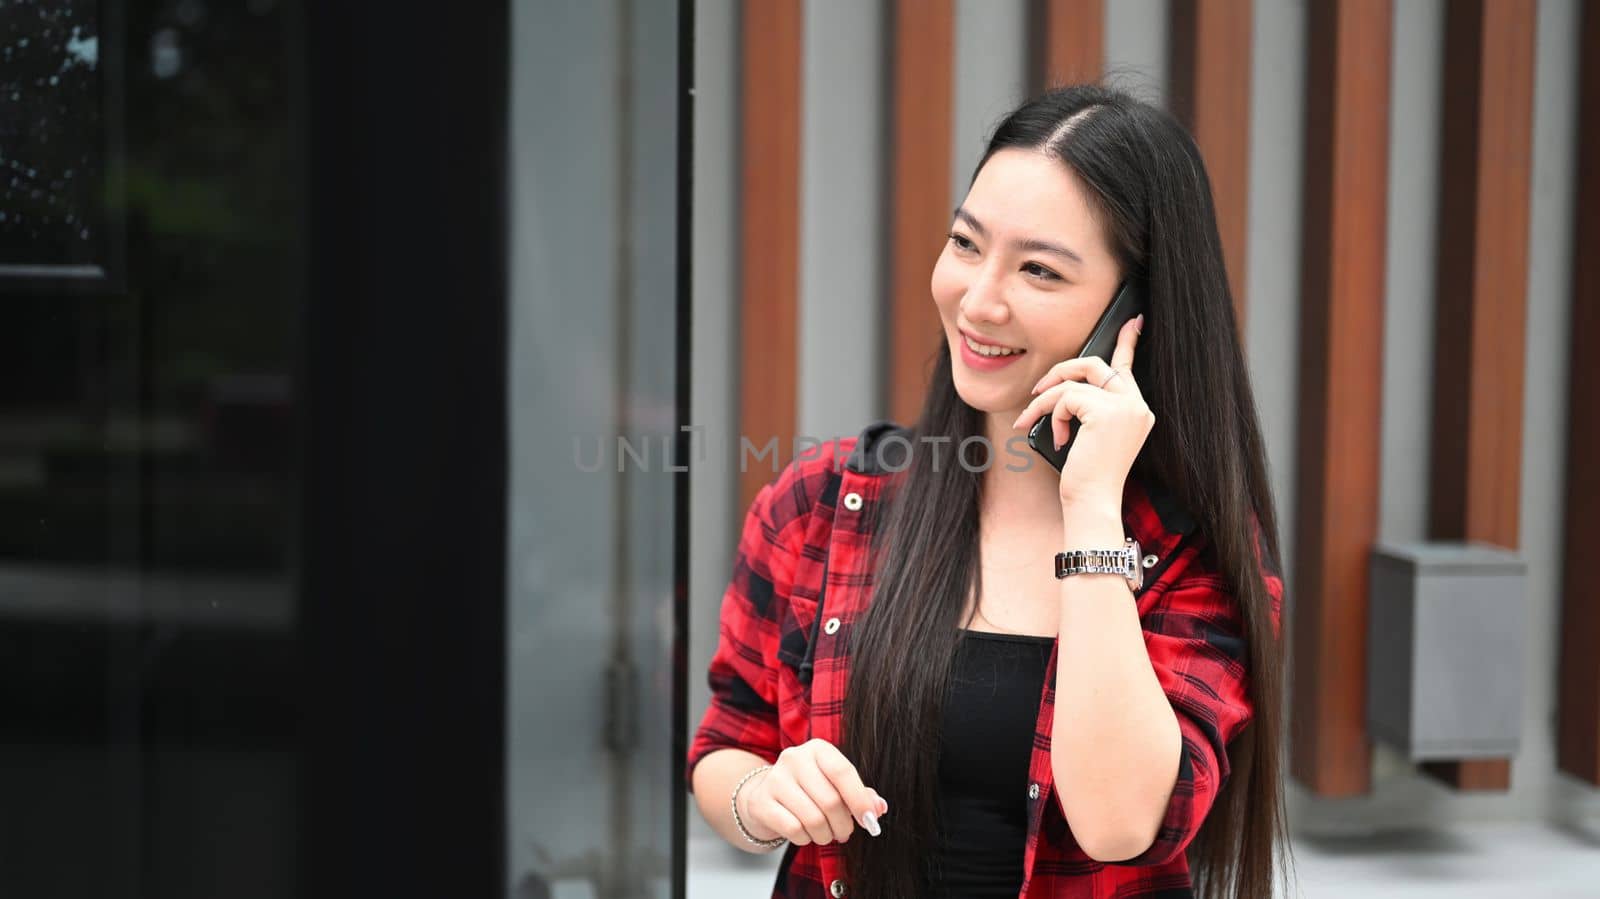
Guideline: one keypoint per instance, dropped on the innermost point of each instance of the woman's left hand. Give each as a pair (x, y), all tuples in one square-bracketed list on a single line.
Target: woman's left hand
[(1113, 420)]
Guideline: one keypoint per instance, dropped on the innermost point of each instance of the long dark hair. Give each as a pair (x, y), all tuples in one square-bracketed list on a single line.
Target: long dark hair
[(1146, 180)]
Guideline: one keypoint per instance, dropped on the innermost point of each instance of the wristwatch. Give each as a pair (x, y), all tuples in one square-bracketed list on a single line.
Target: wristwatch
[(1123, 561)]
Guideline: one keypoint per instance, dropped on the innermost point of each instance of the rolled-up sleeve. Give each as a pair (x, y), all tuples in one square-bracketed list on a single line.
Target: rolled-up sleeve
[(1194, 632), (743, 713)]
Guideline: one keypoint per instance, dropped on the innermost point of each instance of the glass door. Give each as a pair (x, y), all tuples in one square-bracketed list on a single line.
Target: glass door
[(596, 546)]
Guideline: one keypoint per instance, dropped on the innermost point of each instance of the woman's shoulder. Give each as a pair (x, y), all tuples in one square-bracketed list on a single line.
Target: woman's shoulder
[(817, 467), (798, 488)]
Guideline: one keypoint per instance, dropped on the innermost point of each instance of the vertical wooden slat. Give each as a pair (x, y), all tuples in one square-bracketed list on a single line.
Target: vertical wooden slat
[(770, 232), (1486, 149), (1209, 91), (1578, 690), (1067, 42), (1341, 328), (924, 46)]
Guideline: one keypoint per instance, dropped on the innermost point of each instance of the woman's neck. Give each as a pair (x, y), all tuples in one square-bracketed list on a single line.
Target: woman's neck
[(1031, 496)]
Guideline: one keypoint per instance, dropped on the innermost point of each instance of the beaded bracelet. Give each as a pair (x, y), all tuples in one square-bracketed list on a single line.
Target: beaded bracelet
[(765, 844)]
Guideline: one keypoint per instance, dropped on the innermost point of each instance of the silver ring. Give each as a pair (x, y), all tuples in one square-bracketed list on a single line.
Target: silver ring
[(1114, 373)]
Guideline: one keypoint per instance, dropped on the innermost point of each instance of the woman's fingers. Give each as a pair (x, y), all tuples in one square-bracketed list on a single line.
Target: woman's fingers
[(1127, 339), (1037, 407), (813, 826), (862, 802), (1091, 370), (1068, 405), (826, 796), (1087, 369), (1064, 400), (1096, 371), (774, 817), (815, 795)]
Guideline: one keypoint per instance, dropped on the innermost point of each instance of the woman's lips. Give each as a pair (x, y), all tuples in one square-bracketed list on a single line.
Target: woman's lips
[(979, 362)]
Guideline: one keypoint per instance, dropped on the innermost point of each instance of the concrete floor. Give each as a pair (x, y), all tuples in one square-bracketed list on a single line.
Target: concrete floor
[(1501, 861)]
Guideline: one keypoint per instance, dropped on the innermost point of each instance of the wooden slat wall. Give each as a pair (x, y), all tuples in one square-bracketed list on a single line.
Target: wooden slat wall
[(1209, 91), (1486, 149), (1578, 689), (924, 51), (1068, 42), (770, 232), (1341, 328)]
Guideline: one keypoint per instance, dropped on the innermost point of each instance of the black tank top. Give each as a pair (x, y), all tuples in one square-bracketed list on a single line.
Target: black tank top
[(985, 748)]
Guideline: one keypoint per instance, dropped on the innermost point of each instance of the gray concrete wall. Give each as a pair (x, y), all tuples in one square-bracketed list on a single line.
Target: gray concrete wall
[(990, 77), (1136, 47), (714, 516), (1272, 279), (844, 139)]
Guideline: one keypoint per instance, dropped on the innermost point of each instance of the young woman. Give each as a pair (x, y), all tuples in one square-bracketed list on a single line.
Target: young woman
[(899, 653)]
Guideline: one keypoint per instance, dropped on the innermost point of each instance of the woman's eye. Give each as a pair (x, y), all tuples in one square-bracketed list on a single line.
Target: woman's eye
[(1039, 271), (961, 243)]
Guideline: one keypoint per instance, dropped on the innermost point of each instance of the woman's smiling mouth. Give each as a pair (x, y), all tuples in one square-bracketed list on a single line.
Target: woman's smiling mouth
[(979, 356), (988, 349)]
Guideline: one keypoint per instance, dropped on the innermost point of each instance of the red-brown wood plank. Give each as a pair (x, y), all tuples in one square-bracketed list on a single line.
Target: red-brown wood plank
[(924, 47), (769, 233), (1486, 156), (1209, 91), (1578, 687), (1341, 328), (1067, 42)]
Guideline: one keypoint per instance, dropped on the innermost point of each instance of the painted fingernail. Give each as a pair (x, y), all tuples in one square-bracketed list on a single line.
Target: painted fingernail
[(1139, 323), (869, 820)]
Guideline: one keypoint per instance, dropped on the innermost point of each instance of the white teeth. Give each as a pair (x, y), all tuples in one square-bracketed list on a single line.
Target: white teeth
[(982, 350)]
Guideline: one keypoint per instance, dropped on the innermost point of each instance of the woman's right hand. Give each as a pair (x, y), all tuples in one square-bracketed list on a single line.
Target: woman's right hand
[(812, 794)]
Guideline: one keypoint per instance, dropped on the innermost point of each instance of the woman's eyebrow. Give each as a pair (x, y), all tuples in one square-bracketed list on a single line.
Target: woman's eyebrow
[(1032, 243)]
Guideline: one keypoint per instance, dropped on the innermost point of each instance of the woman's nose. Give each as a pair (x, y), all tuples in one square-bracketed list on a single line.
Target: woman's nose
[(984, 300)]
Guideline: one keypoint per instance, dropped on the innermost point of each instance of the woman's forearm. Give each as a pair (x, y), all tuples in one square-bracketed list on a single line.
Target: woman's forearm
[(713, 779), (1115, 744)]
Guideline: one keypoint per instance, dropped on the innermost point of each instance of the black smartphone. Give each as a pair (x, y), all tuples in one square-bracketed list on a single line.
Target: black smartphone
[(1127, 304)]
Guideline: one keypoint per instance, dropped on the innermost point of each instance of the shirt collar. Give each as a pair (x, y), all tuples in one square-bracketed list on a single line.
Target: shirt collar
[(875, 453)]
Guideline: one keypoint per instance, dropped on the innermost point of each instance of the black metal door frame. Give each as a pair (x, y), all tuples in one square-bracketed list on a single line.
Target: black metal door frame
[(402, 591)]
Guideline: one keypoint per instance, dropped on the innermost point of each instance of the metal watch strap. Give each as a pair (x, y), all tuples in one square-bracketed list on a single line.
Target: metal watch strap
[(1124, 561)]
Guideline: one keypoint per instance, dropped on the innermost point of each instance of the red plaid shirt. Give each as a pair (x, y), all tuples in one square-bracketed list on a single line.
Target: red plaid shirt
[(778, 677)]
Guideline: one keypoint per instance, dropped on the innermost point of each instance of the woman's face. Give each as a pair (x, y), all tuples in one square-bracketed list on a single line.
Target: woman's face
[(1026, 268)]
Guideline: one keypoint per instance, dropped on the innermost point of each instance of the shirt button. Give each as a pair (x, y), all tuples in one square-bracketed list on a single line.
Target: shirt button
[(852, 501), (1033, 791), (836, 888), (831, 626), (1150, 561)]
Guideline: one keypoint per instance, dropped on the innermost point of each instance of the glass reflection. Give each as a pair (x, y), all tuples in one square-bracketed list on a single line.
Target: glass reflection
[(52, 152), (146, 424)]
